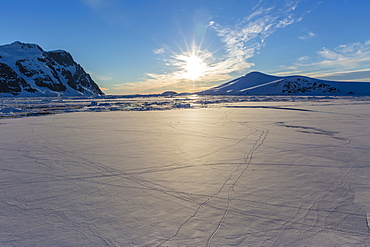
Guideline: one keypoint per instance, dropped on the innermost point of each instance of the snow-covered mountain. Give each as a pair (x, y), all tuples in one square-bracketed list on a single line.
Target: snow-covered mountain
[(256, 83), (28, 70)]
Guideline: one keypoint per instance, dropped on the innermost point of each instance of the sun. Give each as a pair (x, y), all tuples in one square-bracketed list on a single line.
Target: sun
[(193, 66)]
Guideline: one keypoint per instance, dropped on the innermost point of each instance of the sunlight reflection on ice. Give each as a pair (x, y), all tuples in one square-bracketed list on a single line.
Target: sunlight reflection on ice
[(36, 106)]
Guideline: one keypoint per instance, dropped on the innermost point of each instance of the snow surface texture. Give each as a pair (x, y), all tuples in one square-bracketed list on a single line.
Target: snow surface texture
[(28, 70), (241, 174), (256, 83)]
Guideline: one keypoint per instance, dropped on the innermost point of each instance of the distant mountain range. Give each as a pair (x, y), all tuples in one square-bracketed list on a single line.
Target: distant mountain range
[(256, 83), (28, 70)]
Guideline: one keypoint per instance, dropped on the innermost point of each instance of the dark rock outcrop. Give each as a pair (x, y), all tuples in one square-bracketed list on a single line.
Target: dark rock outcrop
[(11, 83)]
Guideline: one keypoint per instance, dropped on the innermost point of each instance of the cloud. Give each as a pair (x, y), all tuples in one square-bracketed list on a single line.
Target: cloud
[(240, 42), (351, 56), (304, 58), (159, 51), (307, 36), (344, 62), (99, 77), (156, 83), (360, 75), (245, 38)]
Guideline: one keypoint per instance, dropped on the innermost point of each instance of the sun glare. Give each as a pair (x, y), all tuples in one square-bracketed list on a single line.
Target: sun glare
[(194, 66)]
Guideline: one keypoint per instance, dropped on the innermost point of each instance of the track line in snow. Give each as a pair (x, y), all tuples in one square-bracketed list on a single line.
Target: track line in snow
[(248, 159), (208, 199)]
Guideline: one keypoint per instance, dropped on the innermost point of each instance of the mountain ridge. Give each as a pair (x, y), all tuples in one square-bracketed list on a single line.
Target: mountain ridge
[(258, 83), (27, 70)]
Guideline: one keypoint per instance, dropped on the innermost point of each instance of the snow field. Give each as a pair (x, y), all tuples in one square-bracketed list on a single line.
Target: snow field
[(249, 174)]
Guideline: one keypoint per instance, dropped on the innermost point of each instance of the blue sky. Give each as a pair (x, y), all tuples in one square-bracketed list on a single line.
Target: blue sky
[(149, 46)]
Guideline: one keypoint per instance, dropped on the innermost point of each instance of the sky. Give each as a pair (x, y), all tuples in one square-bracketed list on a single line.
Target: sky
[(152, 46)]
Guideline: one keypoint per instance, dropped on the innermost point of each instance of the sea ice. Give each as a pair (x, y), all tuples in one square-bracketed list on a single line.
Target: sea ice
[(273, 173)]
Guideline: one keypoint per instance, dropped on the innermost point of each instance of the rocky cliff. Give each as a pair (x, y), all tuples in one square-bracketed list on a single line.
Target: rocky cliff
[(28, 70)]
